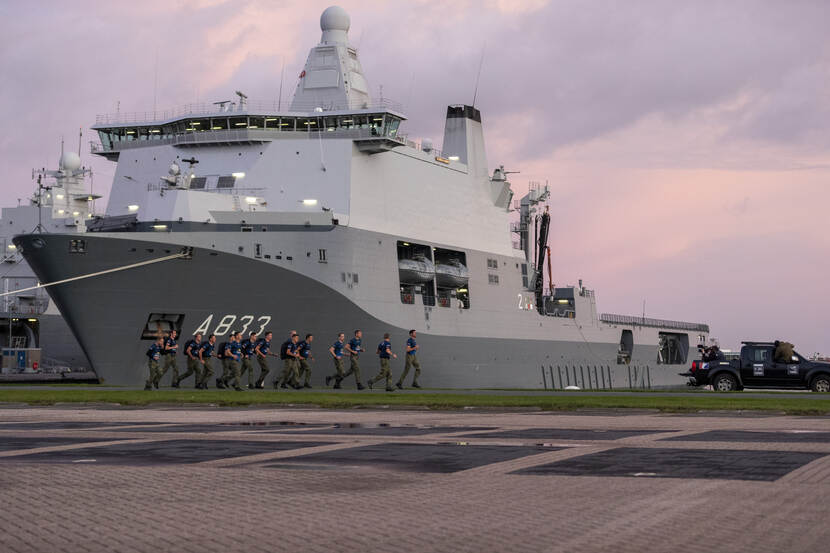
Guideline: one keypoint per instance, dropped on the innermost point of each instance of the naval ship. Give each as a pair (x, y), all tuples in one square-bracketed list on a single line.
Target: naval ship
[(29, 320), (325, 217)]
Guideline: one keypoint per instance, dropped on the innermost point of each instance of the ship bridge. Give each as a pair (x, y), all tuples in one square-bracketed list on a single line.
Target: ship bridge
[(375, 125)]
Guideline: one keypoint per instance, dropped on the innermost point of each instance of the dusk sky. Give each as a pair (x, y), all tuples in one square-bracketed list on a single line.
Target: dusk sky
[(686, 144)]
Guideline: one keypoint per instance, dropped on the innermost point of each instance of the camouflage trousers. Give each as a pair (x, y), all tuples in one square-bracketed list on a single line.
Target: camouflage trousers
[(411, 361), (207, 372), (194, 367), (305, 372), (170, 361), (234, 375), (290, 372), (263, 369), (153, 367), (248, 366), (338, 370), (354, 368), (385, 372), (226, 369)]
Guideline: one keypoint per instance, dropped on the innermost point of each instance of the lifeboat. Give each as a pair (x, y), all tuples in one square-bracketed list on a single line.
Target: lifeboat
[(417, 270), (451, 274)]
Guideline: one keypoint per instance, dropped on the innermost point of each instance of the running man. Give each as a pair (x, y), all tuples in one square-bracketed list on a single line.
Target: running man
[(205, 353), (154, 354), (353, 348), (191, 351), (384, 353), (304, 351), (412, 348), (336, 351)]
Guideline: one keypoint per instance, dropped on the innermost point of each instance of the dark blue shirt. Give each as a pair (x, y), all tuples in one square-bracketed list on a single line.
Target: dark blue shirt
[(193, 346), (292, 348), (305, 349), (154, 352), (235, 350), (207, 350), (248, 347), (382, 349), (354, 343), (168, 345), (412, 343), (338, 349), (264, 345)]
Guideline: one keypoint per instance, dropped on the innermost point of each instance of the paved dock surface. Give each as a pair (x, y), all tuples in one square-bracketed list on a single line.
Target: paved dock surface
[(206, 479)]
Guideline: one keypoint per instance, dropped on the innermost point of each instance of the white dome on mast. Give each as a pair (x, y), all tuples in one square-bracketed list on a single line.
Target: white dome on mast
[(335, 18), (69, 161)]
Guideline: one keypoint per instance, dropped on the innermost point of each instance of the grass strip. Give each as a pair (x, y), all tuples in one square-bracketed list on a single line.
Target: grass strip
[(443, 401)]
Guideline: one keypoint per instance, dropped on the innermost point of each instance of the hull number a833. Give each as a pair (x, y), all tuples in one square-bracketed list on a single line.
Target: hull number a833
[(242, 323)]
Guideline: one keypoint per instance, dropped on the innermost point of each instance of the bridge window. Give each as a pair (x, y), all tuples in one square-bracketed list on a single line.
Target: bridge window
[(199, 125), (238, 122), (219, 123), (256, 123)]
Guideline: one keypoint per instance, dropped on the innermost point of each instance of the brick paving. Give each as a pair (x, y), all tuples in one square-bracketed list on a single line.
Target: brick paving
[(94, 479)]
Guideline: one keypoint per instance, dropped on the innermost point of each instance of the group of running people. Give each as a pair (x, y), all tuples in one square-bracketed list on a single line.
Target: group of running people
[(237, 357)]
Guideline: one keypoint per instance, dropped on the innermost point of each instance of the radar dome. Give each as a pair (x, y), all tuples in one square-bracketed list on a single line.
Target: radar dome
[(335, 18), (70, 161)]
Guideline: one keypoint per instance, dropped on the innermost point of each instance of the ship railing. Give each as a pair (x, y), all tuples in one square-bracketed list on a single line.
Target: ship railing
[(250, 191), (26, 307), (203, 109), (253, 135), (655, 323)]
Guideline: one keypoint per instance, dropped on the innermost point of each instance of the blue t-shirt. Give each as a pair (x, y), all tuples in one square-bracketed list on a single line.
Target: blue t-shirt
[(207, 350), (292, 349), (382, 349), (412, 343), (154, 352), (193, 346), (235, 350), (305, 349), (338, 349), (264, 345), (168, 345), (354, 343), (248, 347)]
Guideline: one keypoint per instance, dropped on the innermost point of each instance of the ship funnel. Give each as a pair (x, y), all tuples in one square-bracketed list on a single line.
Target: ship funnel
[(464, 139)]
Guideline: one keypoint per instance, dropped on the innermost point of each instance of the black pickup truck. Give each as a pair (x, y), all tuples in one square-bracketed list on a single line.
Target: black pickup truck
[(758, 368)]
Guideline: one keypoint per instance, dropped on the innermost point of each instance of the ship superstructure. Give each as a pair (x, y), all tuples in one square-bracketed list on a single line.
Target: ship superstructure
[(324, 217), (62, 203)]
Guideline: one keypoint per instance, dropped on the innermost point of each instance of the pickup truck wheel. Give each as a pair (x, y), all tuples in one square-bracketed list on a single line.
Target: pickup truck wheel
[(725, 382), (821, 384)]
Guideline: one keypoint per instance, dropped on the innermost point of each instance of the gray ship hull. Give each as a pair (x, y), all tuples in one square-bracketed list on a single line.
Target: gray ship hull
[(107, 314)]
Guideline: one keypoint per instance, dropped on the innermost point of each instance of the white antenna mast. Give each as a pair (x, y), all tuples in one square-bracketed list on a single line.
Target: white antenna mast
[(282, 79), (155, 82), (478, 77)]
